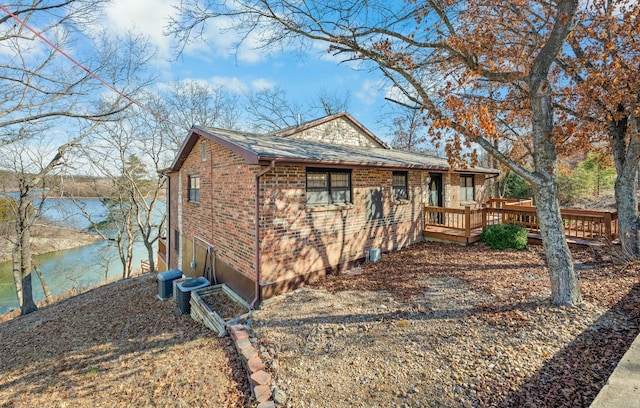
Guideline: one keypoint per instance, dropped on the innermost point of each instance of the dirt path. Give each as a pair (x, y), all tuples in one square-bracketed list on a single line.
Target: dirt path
[(447, 326), (116, 346)]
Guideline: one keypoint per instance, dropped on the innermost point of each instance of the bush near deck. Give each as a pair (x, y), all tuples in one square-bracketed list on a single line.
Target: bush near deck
[(503, 236)]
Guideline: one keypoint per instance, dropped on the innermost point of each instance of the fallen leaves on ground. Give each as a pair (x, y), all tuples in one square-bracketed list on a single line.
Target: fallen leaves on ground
[(445, 325), (116, 346)]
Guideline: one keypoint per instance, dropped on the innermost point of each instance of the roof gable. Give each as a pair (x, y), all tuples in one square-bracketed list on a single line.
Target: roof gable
[(339, 129)]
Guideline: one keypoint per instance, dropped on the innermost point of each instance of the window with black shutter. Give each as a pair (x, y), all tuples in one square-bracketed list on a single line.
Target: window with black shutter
[(328, 186), (194, 188), (400, 186)]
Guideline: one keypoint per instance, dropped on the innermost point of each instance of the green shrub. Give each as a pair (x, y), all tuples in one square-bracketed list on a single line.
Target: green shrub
[(502, 236)]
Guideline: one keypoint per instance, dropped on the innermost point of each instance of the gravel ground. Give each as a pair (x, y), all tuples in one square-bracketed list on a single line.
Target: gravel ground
[(116, 346), (449, 326)]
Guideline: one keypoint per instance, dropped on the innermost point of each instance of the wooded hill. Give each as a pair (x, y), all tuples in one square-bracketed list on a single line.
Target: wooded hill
[(67, 186)]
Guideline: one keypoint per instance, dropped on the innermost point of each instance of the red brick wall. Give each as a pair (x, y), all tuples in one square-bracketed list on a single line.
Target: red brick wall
[(225, 214), (299, 240), (295, 240)]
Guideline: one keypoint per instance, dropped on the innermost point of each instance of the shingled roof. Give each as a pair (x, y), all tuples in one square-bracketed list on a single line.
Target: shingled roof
[(262, 149)]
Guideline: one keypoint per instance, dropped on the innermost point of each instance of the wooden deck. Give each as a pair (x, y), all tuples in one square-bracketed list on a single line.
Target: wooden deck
[(441, 234), (464, 225), (434, 233)]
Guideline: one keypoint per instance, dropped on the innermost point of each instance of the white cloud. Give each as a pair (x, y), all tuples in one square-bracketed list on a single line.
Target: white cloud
[(261, 84), (232, 84), (369, 91), (222, 41), (228, 83), (238, 85), (150, 17), (146, 16)]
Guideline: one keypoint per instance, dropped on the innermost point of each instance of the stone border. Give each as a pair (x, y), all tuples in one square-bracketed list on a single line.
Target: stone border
[(259, 378)]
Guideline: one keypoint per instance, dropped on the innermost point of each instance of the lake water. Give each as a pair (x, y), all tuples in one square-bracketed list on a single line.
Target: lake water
[(74, 268)]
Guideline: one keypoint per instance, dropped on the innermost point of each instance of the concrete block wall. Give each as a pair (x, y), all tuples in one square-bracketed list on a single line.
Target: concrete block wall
[(451, 185), (480, 189)]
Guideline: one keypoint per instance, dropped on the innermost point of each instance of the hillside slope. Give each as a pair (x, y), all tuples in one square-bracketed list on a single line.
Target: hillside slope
[(115, 346)]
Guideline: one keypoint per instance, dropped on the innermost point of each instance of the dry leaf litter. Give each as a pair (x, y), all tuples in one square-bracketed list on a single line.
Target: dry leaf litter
[(447, 326), (117, 346)]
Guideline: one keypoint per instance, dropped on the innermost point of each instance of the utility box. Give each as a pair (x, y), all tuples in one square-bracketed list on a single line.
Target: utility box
[(165, 283)]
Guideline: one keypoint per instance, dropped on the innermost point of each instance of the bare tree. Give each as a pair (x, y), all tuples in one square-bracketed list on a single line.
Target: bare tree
[(37, 83), (43, 91), (191, 102), (407, 129), (27, 163), (270, 110), (480, 70), (112, 161), (130, 154), (331, 102)]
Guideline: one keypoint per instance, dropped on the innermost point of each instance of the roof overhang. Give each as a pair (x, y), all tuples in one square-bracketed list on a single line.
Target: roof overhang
[(266, 160), (191, 140), (252, 158)]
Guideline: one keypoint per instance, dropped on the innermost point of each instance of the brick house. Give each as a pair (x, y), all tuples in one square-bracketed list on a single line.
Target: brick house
[(267, 213)]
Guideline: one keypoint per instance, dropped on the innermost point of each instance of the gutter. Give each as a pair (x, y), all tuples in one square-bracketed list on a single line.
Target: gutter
[(256, 255)]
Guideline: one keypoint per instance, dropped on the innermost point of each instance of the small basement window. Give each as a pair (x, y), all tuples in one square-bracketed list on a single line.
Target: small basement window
[(328, 186), (194, 188), (176, 240), (466, 188), (400, 185)]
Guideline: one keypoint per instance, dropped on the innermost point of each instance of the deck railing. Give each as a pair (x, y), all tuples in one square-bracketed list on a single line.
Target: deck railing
[(578, 224)]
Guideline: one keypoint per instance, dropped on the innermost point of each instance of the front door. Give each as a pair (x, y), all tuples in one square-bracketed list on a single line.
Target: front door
[(435, 190), (435, 198)]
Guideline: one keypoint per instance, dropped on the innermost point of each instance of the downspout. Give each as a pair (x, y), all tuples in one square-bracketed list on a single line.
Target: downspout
[(256, 255)]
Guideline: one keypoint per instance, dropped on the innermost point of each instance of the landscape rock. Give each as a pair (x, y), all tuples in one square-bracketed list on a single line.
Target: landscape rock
[(279, 396)]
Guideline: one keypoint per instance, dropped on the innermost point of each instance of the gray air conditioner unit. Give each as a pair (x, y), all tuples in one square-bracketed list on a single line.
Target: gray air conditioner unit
[(165, 283), (184, 292)]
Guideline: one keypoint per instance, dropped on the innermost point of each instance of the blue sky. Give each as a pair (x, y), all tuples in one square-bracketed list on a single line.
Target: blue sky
[(217, 62)]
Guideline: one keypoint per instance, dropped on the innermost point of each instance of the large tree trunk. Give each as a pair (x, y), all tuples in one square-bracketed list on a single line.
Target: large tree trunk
[(150, 255), (565, 288), (17, 278), (626, 156), (627, 203), (23, 254)]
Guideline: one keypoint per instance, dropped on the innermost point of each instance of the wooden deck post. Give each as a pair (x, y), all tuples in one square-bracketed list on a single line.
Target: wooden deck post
[(467, 221), (607, 225), (484, 217)]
